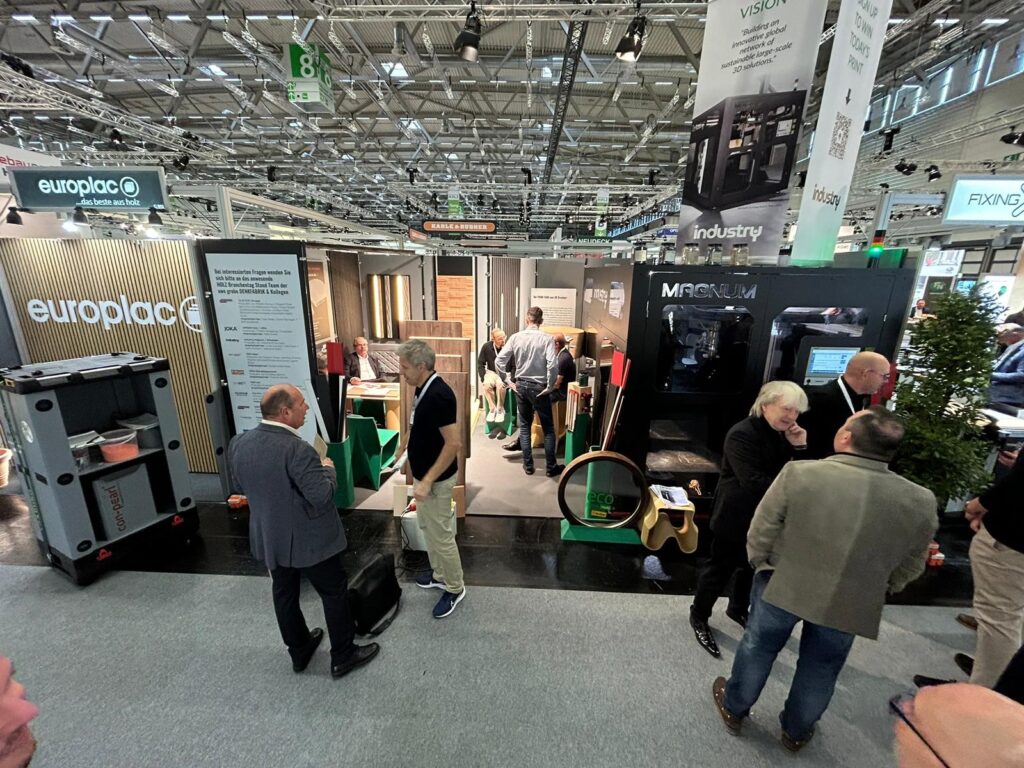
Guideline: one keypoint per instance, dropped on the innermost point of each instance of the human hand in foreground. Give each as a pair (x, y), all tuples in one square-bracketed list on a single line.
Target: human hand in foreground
[(16, 742)]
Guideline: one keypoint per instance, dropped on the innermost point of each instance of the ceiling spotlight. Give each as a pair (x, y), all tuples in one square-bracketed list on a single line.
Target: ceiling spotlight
[(801, 179), (633, 41), (272, 173), (116, 138), (1013, 137), (889, 134), (412, 174), (433, 200), (911, 167), (933, 173), (79, 218), (480, 200), (13, 217), (180, 163), (154, 218), (650, 176), (467, 44), (529, 175), (901, 167)]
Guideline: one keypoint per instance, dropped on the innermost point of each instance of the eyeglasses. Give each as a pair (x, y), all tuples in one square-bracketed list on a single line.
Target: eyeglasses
[(897, 704), (884, 376)]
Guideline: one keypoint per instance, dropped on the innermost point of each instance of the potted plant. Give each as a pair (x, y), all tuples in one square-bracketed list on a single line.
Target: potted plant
[(940, 395)]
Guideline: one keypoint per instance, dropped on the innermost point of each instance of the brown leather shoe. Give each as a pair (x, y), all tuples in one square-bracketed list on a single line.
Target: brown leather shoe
[(968, 621), (792, 744), (731, 721)]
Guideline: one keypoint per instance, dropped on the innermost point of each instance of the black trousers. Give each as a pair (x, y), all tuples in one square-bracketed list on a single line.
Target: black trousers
[(728, 557), (329, 579), (1011, 682)]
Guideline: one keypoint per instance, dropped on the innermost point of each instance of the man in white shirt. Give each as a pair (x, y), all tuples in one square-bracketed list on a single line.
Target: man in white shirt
[(359, 365)]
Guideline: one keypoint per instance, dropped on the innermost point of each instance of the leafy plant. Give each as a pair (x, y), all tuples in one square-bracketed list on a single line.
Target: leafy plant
[(940, 396)]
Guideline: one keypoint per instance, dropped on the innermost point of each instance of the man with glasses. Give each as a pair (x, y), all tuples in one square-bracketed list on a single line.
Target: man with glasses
[(830, 405), (831, 571)]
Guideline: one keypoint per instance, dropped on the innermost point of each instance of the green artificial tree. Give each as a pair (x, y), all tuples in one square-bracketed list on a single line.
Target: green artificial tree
[(940, 396)]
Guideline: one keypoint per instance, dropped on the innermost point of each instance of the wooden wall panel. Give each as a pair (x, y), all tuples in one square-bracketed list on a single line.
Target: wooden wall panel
[(456, 301), (56, 272), (346, 298), (448, 364), (433, 328)]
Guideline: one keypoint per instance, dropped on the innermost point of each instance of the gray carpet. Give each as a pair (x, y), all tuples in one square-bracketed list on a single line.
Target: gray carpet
[(179, 670)]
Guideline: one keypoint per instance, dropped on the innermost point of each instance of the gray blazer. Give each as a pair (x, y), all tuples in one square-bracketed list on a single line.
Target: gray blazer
[(840, 533), (292, 518)]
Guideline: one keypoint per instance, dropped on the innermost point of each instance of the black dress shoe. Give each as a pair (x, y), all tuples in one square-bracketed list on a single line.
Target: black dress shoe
[(513, 446), (965, 662), (705, 636), (363, 654), (300, 660), (739, 618), (554, 472), (923, 681), (528, 470)]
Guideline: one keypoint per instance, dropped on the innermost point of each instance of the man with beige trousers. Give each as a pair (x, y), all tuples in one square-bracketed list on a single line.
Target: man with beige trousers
[(829, 540)]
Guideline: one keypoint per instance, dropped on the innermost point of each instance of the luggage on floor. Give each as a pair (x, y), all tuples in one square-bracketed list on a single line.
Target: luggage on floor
[(374, 595)]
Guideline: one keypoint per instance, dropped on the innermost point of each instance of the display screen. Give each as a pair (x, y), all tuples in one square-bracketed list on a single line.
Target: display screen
[(829, 362), (797, 327)]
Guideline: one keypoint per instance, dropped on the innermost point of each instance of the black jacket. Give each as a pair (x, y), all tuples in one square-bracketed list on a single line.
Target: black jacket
[(485, 360), (754, 454), (828, 411), (352, 366), (1005, 504)]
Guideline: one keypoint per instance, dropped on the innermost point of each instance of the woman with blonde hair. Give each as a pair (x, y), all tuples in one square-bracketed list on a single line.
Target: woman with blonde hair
[(755, 451)]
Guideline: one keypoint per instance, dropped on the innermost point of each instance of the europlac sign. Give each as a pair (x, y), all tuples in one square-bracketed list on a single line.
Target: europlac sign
[(985, 199), (104, 189)]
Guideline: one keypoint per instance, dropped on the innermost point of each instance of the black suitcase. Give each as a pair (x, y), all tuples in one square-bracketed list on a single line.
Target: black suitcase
[(373, 594)]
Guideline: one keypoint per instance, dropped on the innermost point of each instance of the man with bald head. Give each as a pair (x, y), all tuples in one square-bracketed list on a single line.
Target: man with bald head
[(566, 366), (294, 528), (830, 405)]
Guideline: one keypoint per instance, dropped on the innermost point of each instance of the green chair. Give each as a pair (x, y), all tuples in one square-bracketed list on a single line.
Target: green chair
[(373, 449), (376, 409), (506, 425)]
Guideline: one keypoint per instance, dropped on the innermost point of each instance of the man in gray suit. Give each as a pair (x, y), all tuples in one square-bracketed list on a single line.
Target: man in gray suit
[(294, 528), (827, 564)]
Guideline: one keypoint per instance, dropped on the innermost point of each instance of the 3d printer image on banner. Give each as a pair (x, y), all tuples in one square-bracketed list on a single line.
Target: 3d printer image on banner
[(856, 49), (748, 109)]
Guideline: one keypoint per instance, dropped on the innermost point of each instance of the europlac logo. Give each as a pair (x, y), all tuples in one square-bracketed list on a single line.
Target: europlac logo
[(110, 314), (127, 186)]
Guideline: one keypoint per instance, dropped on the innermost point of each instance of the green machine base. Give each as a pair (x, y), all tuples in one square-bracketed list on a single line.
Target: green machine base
[(572, 532)]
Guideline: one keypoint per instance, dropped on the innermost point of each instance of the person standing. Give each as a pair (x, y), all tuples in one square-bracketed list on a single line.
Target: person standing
[(360, 365), (294, 528), (433, 443), (830, 405), (534, 352), (756, 449), (1007, 385), (828, 564), (493, 386), (565, 367)]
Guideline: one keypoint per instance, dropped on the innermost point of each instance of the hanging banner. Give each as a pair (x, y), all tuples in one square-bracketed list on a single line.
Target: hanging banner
[(985, 200), (747, 113), (601, 223), (103, 189), (860, 34), (309, 78), (454, 203)]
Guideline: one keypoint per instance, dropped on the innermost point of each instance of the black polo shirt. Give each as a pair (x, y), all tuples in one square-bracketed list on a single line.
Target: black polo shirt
[(566, 369), (435, 409)]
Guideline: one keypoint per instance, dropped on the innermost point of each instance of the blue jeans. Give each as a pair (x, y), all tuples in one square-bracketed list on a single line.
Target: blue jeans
[(528, 402), (823, 653)]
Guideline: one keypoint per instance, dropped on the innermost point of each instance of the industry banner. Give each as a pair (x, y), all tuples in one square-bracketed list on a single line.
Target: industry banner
[(748, 108), (860, 35)]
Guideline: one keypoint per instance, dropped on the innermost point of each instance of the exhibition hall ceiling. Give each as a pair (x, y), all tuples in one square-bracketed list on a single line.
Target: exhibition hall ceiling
[(200, 87)]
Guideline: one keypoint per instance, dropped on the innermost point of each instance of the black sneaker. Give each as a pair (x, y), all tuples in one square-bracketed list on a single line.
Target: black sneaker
[(528, 470), (428, 581), (447, 603), (512, 446)]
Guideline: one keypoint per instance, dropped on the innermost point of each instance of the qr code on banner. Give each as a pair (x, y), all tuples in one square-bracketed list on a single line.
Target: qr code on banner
[(840, 136)]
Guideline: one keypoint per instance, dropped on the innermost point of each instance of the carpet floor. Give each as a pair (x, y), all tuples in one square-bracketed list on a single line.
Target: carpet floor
[(156, 669)]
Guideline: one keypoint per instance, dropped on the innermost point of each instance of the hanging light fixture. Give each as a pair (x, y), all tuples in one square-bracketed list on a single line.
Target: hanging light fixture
[(467, 44), (154, 218), (633, 41), (13, 217), (1013, 137), (933, 172)]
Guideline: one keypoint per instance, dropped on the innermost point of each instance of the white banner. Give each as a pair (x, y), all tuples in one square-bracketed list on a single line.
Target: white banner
[(261, 322), (985, 200), (860, 34), (755, 73)]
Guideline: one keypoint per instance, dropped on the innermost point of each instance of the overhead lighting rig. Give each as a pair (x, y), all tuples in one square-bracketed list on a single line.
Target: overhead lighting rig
[(632, 42), (467, 44)]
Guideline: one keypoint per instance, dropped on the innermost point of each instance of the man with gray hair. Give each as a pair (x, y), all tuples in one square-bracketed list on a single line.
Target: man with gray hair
[(433, 442), (1008, 373), (828, 564)]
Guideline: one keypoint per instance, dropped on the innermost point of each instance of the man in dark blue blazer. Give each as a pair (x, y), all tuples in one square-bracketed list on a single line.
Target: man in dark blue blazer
[(1008, 375), (294, 528)]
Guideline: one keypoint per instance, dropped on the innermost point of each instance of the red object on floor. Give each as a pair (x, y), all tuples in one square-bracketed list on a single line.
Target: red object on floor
[(335, 357), (618, 367)]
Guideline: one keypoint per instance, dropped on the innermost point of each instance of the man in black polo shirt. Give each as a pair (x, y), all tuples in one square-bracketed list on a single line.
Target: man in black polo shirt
[(566, 368), (433, 443)]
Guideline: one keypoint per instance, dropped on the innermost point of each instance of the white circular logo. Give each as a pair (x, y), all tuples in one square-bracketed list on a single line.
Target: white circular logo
[(129, 187), (188, 313)]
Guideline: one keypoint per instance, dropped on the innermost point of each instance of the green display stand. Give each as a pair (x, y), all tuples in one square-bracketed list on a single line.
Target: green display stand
[(576, 438), (506, 425), (572, 532), (373, 449), (341, 455), (375, 409)]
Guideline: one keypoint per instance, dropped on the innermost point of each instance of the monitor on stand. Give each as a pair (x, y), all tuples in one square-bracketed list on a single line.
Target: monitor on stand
[(825, 364)]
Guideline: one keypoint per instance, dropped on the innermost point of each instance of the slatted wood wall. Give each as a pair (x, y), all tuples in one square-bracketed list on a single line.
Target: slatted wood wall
[(505, 283), (105, 270)]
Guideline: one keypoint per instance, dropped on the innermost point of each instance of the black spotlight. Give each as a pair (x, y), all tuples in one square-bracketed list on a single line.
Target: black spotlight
[(272, 173), (889, 134), (529, 175), (650, 176), (480, 200), (180, 163), (116, 138), (467, 44), (154, 218), (933, 172), (80, 218), (911, 167), (1013, 137), (412, 174), (13, 217), (633, 41), (901, 167), (801, 179), (494, 206), (434, 200)]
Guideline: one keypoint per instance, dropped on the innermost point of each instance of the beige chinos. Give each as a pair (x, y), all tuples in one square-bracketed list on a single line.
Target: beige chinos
[(998, 573), (437, 521)]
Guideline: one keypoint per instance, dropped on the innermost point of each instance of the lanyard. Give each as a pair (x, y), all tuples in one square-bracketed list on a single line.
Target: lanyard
[(416, 400), (842, 388)]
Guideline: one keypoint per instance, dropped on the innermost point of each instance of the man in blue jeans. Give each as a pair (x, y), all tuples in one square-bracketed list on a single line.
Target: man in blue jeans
[(536, 369), (829, 565)]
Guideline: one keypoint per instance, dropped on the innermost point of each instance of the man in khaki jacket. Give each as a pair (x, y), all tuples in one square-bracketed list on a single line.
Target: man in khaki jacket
[(828, 541)]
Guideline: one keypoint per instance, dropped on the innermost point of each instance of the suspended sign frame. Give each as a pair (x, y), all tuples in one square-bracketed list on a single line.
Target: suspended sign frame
[(103, 189)]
